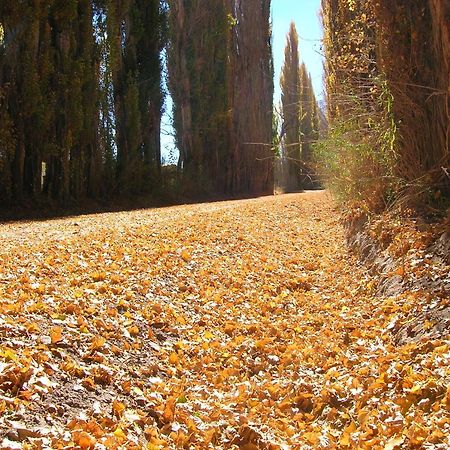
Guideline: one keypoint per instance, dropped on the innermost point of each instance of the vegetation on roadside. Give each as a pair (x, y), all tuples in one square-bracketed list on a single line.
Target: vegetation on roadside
[(387, 66)]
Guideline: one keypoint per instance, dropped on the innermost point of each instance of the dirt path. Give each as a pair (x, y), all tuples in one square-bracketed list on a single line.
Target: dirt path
[(242, 324)]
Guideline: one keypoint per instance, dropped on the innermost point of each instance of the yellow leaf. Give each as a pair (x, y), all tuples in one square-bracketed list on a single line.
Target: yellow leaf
[(8, 355), (394, 442), (208, 335), (181, 320), (173, 358), (119, 433), (33, 328), (416, 388), (346, 435)]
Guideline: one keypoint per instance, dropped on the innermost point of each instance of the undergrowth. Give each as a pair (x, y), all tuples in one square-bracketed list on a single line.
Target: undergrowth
[(357, 157)]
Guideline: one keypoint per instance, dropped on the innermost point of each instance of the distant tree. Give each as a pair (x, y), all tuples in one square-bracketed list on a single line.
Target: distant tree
[(290, 82), (309, 127)]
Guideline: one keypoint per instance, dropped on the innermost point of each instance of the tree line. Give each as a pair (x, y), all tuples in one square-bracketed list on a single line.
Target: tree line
[(221, 81), (82, 96)]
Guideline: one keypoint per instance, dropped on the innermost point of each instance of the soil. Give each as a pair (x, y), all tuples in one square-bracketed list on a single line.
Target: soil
[(421, 267)]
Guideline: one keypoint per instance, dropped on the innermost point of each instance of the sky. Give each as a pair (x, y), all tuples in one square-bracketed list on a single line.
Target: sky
[(305, 14)]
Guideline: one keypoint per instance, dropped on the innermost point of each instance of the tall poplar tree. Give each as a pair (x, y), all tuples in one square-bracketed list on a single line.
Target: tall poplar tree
[(197, 81), (136, 33), (221, 81), (250, 68), (291, 109), (309, 127)]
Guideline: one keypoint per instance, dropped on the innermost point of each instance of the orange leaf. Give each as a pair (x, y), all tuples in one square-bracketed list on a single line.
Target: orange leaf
[(98, 276), (88, 383), (169, 410), (97, 342), (185, 255), (133, 330), (56, 335), (312, 438), (84, 440), (173, 358), (118, 408)]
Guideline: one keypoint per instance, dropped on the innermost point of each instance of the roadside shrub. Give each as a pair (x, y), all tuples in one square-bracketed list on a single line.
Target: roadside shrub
[(356, 158)]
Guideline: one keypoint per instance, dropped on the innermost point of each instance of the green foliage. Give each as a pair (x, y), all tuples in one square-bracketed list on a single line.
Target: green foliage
[(357, 157), (276, 139), (387, 127), (231, 21), (341, 156)]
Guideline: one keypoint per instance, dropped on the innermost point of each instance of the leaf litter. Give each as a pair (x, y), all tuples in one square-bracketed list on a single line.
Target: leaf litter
[(243, 324)]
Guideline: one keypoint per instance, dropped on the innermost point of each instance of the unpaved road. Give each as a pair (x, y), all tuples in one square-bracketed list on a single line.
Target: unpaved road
[(241, 324)]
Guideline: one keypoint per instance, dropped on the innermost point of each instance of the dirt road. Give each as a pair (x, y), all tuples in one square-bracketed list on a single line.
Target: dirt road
[(242, 324)]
